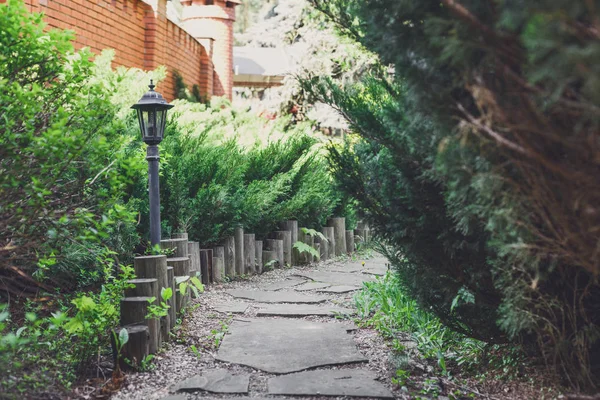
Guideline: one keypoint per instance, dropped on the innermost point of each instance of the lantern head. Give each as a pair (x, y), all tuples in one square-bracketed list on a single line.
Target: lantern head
[(152, 115)]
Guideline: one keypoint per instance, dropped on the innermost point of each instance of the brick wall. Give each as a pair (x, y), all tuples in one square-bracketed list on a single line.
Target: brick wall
[(141, 36)]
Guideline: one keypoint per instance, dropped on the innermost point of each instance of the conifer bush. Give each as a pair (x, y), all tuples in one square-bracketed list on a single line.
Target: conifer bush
[(511, 91)]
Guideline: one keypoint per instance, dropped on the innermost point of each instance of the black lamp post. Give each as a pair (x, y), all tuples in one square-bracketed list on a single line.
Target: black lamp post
[(152, 115)]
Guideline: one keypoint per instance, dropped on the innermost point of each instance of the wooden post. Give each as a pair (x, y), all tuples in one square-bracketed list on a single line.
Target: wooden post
[(137, 347), (258, 250), (219, 266), (249, 253), (239, 251), (267, 257), (292, 226), (328, 232), (350, 242), (142, 287), (323, 248), (181, 299), (179, 246), (303, 258), (134, 311), (181, 265), (172, 301), (318, 249), (339, 232), (179, 235), (194, 254), (286, 236), (276, 245), (206, 256), (229, 259), (154, 267), (218, 269)]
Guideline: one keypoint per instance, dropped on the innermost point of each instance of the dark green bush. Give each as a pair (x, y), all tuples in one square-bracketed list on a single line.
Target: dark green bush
[(390, 171), (510, 89)]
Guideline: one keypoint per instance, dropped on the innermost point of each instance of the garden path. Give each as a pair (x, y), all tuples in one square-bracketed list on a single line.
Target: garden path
[(287, 332)]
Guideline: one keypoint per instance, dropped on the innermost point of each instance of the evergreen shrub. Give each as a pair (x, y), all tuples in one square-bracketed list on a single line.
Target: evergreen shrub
[(511, 91)]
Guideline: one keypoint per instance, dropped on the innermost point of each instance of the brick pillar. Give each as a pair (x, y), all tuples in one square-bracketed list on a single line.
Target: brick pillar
[(207, 69), (155, 35), (214, 19)]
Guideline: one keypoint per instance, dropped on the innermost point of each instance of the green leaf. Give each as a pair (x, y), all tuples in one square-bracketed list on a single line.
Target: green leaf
[(123, 337)]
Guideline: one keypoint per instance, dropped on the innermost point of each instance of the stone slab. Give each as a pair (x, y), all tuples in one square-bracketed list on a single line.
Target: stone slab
[(339, 289), (215, 381), (379, 270), (230, 307), (301, 310), (275, 297), (290, 282), (348, 267), (311, 286), (175, 397), (337, 278), (260, 343), (346, 382)]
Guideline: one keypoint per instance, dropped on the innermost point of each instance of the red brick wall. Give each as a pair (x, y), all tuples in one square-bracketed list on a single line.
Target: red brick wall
[(140, 37)]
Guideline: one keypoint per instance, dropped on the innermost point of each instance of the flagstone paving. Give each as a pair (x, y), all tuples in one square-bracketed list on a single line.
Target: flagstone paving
[(284, 342), (355, 383), (216, 381), (275, 297), (300, 310), (281, 346)]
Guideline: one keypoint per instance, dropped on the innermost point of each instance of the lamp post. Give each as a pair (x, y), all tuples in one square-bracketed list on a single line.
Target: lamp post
[(152, 116)]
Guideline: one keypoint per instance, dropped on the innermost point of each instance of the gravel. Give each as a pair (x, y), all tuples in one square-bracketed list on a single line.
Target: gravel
[(203, 325)]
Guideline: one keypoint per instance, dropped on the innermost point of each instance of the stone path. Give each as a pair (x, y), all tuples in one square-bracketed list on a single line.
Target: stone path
[(288, 336)]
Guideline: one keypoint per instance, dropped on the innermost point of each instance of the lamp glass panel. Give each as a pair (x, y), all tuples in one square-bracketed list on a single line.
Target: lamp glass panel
[(161, 117)]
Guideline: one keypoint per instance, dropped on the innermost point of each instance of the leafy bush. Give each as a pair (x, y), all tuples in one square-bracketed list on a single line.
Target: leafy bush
[(62, 170)]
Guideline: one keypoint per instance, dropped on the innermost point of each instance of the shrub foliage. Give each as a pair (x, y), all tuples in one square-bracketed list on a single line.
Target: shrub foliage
[(510, 92)]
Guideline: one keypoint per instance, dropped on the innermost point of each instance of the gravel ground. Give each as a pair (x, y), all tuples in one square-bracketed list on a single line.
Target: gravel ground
[(177, 361)]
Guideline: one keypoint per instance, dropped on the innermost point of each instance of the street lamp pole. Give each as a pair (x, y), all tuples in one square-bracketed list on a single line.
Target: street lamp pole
[(152, 116), (153, 157)]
